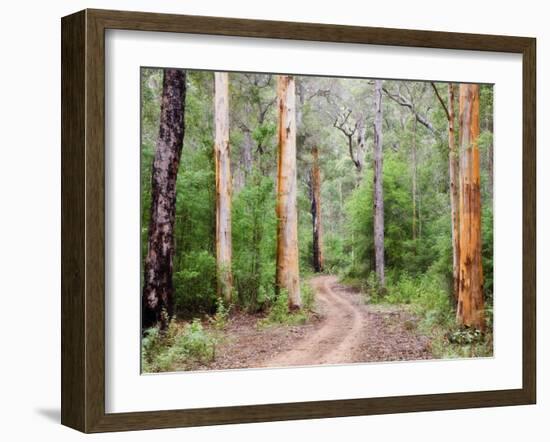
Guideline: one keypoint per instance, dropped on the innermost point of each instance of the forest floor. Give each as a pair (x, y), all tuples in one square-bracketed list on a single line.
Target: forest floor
[(342, 329)]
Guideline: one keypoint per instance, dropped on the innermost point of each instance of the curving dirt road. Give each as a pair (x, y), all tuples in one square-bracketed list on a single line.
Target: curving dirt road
[(344, 330), (339, 335)]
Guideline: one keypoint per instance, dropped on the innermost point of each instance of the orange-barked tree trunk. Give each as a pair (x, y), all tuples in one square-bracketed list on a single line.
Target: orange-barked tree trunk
[(157, 296), (223, 185), (378, 185), (315, 197), (470, 307), (288, 276)]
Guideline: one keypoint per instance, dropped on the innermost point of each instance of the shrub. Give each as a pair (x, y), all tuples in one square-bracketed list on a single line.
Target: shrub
[(429, 298), (279, 313), (279, 310), (308, 297), (220, 319), (151, 347), (181, 345), (254, 242), (195, 284)]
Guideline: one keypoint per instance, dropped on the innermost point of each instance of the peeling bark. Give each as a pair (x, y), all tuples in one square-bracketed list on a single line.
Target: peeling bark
[(470, 307), (378, 185), (223, 186), (287, 276), (157, 297)]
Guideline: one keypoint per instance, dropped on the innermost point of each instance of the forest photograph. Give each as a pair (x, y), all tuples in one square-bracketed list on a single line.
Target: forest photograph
[(296, 220)]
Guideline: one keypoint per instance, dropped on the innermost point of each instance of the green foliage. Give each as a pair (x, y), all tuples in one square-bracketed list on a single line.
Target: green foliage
[(181, 347), (487, 252), (429, 299), (254, 243), (263, 133), (221, 318), (465, 336), (151, 348), (334, 252), (374, 290), (427, 293), (195, 284), (279, 313), (194, 261), (308, 297), (418, 264), (401, 250)]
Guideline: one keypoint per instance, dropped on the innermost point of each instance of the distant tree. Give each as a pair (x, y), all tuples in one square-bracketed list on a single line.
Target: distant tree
[(378, 185), (315, 199), (355, 133)]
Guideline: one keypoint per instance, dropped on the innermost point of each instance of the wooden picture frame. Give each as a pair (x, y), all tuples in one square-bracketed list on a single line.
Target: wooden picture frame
[(83, 220)]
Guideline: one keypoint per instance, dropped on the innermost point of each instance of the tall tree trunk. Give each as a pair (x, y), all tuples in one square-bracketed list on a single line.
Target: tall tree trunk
[(223, 186), (490, 157), (413, 151), (361, 148), (378, 185), (315, 197), (470, 308), (455, 201), (157, 297), (287, 276), (247, 153)]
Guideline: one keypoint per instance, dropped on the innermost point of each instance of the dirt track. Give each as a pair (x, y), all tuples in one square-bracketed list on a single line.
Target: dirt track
[(339, 336), (344, 330)]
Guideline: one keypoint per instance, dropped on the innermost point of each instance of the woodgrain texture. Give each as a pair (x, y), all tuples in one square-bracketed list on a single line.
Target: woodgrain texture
[(83, 218), (72, 221)]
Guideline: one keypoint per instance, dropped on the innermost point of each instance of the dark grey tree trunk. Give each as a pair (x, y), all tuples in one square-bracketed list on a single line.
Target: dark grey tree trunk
[(414, 181), (378, 185), (315, 198), (361, 146), (157, 299)]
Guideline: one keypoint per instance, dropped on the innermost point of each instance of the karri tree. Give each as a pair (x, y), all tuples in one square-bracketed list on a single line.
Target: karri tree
[(157, 297), (470, 306), (287, 273), (378, 185), (223, 185)]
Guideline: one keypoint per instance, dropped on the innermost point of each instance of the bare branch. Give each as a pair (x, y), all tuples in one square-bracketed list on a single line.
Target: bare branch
[(402, 101), (441, 101), (264, 109)]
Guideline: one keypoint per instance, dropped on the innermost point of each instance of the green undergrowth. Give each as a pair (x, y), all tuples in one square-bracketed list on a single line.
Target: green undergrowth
[(279, 313), (182, 346), (427, 297)]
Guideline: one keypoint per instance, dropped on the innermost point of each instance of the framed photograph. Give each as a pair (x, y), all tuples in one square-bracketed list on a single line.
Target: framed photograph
[(268, 221)]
